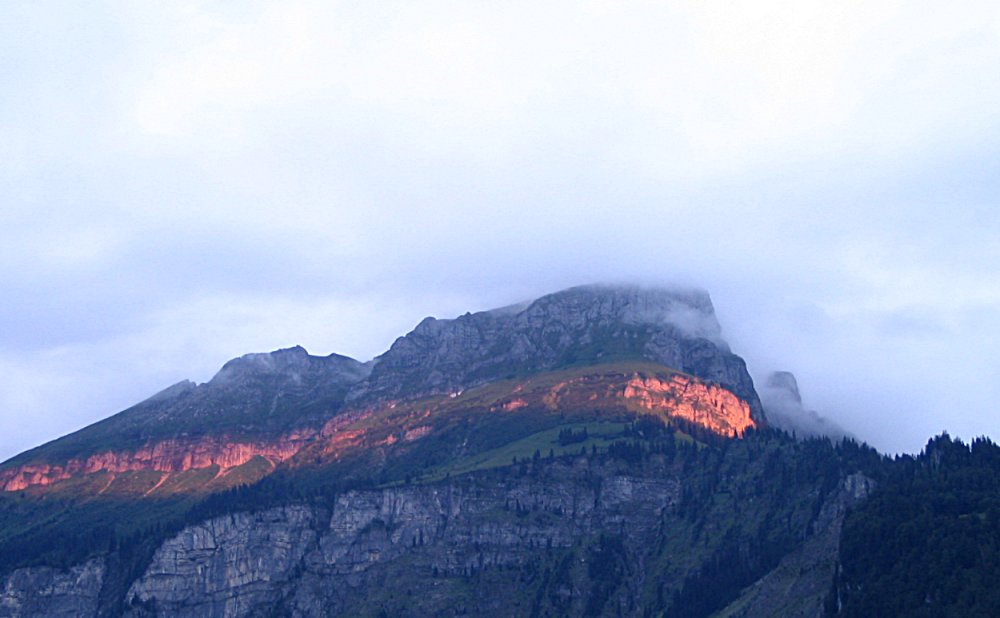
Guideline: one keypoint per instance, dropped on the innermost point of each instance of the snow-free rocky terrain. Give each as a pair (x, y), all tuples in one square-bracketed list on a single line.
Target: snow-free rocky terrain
[(599, 451)]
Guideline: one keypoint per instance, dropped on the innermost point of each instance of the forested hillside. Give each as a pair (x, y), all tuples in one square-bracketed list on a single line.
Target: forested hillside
[(927, 541)]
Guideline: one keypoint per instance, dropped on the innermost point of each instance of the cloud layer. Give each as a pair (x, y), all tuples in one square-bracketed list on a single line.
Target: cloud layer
[(187, 182)]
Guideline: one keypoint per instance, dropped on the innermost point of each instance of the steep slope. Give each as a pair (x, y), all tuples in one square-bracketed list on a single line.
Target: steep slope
[(611, 420), (639, 527), (583, 325), (927, 542), (258, 407), (263, 409)]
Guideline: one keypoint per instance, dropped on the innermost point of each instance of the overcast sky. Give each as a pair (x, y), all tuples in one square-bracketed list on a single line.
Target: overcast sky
[(185, 182)]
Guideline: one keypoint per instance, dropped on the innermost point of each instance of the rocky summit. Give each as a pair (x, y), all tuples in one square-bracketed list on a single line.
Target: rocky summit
[(599, 451), (262, 409), (676, 328)]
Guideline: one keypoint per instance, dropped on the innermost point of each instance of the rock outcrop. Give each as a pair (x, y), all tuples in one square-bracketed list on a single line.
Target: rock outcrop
[(168, 456), (269, 406), (711, 407), (313, 562), (54, 593), (589, 324)]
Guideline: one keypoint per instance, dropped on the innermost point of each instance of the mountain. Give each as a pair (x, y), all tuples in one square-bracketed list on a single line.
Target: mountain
[(781, 398), (259, 408), (675, 328), (599, 451), (262, 409)]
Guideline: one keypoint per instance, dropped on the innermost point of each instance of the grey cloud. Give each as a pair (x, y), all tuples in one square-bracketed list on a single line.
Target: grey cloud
[(779, 394), (186, 183)]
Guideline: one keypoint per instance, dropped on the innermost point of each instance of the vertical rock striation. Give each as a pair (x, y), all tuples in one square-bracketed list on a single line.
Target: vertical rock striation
[(310, 561), (54, 593)]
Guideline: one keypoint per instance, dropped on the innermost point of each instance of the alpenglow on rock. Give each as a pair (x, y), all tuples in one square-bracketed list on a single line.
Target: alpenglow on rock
[(597, 451), (261, 410), (581, 325)]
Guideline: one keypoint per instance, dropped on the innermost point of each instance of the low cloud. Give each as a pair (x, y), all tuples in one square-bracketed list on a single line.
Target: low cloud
[(782, 402), (188, 182)]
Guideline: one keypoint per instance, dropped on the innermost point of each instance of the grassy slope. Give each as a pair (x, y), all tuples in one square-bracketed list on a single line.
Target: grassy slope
[(468, 425)]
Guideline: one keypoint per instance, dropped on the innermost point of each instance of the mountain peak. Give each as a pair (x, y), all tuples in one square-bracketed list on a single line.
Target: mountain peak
[(785, 382), (783, 404), (286, 363), (688, 309), (582, 325), (271, 404), (171, 392), (277, 361)]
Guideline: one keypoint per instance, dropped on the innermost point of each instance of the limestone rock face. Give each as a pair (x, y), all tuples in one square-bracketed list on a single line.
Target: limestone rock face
[(56, 593), (469, 545), (676, 328), (271, 405), (226, 566), (711, 407), (167, 457), (311, 561)]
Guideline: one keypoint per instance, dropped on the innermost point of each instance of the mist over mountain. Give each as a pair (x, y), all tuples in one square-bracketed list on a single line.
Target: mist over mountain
[(222, 225), (597, 451), (781, 399)]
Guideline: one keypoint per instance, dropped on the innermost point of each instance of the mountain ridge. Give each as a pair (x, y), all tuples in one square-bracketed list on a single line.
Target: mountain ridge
[(676, 327), (593, 453), (271, 404)]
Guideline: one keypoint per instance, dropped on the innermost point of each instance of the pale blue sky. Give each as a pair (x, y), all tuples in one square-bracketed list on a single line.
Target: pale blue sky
[(185, 182)]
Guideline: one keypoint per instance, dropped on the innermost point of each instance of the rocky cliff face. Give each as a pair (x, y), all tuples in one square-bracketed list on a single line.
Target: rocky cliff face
[(55, 593), (166, 457), (372, 544), (676, 328), (711, 407), (572, 536), (269, 406)]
